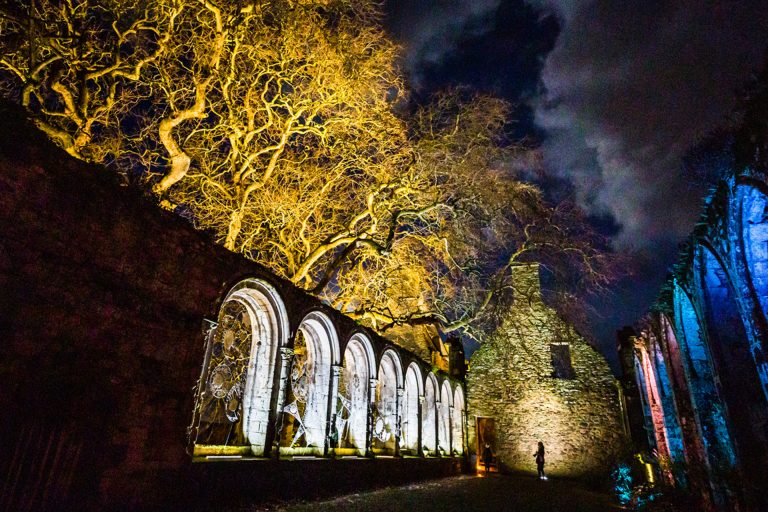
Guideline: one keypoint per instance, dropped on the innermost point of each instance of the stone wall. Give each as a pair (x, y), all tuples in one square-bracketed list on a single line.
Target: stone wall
[(511, 380), (102, 304), (707, 339)]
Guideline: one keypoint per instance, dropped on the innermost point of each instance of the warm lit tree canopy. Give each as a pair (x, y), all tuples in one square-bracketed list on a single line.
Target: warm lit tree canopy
[(282, 128)]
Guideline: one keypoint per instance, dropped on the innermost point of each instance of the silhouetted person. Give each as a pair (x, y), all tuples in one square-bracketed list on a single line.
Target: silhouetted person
[(540, 461), (487, 457)]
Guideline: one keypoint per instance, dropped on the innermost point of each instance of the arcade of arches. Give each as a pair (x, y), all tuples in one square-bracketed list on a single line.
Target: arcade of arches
[(262, 393), (698, 361)]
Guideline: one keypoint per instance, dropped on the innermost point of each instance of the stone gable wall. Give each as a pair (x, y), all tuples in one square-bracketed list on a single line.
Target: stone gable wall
[(511, 379)]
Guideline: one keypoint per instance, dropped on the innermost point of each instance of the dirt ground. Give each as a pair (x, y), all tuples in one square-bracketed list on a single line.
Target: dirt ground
[(467, 493)]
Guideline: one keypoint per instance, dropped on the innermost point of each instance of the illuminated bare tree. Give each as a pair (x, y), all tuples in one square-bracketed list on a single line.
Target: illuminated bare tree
[(77, 66), (446, 258), (271, 124)]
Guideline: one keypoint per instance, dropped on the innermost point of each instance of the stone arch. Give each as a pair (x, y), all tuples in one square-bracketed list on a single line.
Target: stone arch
[(753, 220), (458, 420), (708, 407), (651, 396), (740, 385), (308, 405), (235, 405), (695, 454), (412, 394), (429, 414), (359, 367), (674, 438), (386, 407), (444, 417)]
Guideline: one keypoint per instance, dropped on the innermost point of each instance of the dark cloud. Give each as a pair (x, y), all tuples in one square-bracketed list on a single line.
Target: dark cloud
[(617, 93), (432, 29), (628, 88)]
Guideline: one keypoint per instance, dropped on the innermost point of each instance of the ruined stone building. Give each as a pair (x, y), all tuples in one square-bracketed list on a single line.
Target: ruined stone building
[(698, 359), (536, 379), (143, 366)]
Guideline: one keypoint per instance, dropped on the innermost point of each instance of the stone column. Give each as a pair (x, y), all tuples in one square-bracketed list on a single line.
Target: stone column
[(464, 431), (436, 426), (286, 358), (398, 419), (451, 420), (332, 399), (420, 451), (369, 422)]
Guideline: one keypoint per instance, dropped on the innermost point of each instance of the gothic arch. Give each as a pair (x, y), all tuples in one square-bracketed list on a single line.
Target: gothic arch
[(653, 403), (708, 407), (429, 414), (742, 392), (235, 405), (666, 396), (444, 417), (753, 243), (457, 434), (308, 407), (386, 407), (353, 394), (695, 453), (412, 394)]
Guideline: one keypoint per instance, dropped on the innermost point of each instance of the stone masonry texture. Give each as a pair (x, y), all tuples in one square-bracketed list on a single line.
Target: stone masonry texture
[(511, 380), (103, 298)]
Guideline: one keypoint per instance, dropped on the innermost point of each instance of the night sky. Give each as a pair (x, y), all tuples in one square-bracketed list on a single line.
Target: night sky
[(613, 92)]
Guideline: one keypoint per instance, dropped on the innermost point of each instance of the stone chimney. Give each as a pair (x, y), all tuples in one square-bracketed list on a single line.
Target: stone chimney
[(527, 283)]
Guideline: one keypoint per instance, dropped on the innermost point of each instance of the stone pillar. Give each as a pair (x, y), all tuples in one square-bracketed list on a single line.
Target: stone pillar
[(332, 399), (369, 428), (464, 431), (398, 419), (420, 436), (438, 415), (451, 420), (286, 358)]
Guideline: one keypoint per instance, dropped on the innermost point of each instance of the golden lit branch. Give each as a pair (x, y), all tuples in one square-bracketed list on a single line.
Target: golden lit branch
[(273, 126)]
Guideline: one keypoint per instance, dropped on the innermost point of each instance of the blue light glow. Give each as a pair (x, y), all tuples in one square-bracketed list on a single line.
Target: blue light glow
[(674, 433), (754, 219), (698, 369)]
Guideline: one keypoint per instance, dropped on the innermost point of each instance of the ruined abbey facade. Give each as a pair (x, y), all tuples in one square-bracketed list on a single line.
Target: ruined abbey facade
[(147, 367), (536, 379), (698, 360)]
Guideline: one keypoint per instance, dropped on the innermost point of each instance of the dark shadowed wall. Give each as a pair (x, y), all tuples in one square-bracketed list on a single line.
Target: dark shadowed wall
[(102, 304)]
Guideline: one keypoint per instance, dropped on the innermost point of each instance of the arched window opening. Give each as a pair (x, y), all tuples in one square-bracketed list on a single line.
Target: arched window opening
[(754, 222), (706, 400), (234, 406), (655, 411), (444, 418), (667, 400), (694, 451), (352, 405), (385, 413), (410, 415), (754, 219), (729, 344), (429, 416), (458, 421), (306, 413)]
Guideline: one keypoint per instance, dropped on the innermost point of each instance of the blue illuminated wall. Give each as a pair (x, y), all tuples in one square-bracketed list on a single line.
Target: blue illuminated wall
[(708, 407), (729, 343), (645, 402), (674, 434), (753, 206), (712, 371)]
